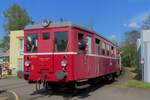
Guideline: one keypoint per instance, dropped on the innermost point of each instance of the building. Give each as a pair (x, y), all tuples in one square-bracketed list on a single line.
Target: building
[(143, 48), (16, 51)]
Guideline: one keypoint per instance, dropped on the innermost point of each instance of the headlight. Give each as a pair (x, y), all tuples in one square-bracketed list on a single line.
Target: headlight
[(64, 63), (27, 63)]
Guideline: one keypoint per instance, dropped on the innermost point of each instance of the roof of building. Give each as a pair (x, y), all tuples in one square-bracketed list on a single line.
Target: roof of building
[(63, 24)]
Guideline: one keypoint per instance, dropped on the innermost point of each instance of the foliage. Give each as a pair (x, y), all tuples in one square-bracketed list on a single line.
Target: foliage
[(131, 37), (5, 43), (16, 18), (146, 23), (138, 84), (128, 49)]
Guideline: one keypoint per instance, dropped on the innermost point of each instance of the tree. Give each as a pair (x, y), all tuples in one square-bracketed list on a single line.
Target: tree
[(128, 48), (128, 55), (5, 43), (132, 36), (16, 18)]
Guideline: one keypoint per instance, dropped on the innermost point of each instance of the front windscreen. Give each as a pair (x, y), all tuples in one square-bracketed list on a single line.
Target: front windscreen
[(31, 42), (61, 41)]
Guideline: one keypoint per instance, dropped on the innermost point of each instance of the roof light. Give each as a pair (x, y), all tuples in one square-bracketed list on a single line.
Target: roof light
[(46, 23)]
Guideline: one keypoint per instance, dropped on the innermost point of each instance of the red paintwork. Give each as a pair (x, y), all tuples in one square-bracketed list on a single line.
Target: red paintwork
[(80, 66)]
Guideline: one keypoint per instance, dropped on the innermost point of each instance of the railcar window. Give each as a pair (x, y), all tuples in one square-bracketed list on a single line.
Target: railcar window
[(80, 42), (103, 45), (112, 50), (80, 37), (46, 35), (108, 48), (103, 48), (61, 41), (31, 42), (115, 52), (107, 53), (89, 44), (103, 52), (97, 44)]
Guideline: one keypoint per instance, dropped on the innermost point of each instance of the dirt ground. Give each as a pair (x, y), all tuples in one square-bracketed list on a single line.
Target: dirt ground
[(126, 75)]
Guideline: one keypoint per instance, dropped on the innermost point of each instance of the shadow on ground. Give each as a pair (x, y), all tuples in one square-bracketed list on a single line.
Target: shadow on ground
[(69, 93)]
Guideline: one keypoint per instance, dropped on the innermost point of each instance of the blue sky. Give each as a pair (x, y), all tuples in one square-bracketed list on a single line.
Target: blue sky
[(111, 18)]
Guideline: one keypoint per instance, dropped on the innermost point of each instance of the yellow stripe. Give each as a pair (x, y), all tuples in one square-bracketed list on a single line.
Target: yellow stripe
[(16, 96)]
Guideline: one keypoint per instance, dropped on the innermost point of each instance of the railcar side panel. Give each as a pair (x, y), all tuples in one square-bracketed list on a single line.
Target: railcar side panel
[(86, 67)]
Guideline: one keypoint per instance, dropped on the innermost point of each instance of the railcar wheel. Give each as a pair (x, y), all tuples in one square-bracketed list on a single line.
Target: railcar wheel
[(38, 86), (45, 85), (111, 77), (81, 85)]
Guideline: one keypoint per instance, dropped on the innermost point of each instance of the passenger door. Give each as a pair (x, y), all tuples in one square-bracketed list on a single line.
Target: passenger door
[(89, 58), (45, 41), (46, 49)]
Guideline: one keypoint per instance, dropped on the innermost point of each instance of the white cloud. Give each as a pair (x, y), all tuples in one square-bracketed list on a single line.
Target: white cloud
[(134, 25), (136, 22)]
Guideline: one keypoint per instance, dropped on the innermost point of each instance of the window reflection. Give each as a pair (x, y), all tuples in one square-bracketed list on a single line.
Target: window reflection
[(61, 41), (31, 42)]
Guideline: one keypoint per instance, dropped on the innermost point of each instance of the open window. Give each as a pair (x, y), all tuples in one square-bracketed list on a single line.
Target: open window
[(108, 49), (31, 42), (97, 45), (115, 51), (112, 50), (103, 48), (81, 43)]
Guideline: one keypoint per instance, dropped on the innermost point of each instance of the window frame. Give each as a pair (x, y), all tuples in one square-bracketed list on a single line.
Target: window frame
[(103, 44), (66, 50), (83, 35), (98, 50), (30, 34), (91, 50)]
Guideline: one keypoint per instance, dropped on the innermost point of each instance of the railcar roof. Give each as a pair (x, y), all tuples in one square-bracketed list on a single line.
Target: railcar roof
[(56, 24), (63, 24)]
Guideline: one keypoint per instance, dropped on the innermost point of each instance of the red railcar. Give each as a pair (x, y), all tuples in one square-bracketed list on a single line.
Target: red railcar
[(67, 53)]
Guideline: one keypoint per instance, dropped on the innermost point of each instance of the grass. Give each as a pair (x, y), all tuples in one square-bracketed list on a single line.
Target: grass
[(12, 77), (135, 81), (138, 84)]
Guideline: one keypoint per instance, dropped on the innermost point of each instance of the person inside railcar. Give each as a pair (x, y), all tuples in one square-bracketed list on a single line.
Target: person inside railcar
[(82, 44)]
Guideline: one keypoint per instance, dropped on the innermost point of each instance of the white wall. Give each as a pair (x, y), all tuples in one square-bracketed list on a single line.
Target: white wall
[(145, 54)]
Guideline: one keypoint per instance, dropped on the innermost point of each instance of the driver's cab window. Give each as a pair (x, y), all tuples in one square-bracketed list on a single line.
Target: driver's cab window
[(31, 42)]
